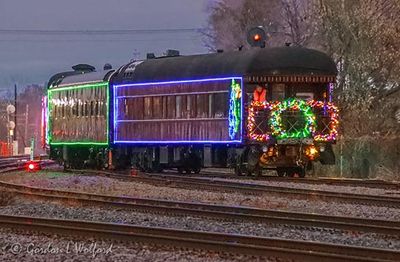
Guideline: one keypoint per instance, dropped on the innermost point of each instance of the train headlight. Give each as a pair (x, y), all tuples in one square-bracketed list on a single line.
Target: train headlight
[(311, 152), (264, 149), (322, 148)]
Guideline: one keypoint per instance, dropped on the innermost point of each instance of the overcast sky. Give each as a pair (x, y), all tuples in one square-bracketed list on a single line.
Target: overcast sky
[(32, 57)]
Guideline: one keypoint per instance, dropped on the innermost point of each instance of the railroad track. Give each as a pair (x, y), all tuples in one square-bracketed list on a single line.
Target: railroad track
[(308, 251), (370, 183), (13, 161), (254, 189), (18, 162), (211, 211), (231, 243)]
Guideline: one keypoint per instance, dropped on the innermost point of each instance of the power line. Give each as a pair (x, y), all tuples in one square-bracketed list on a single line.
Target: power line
[(97, 32), (96, 40)]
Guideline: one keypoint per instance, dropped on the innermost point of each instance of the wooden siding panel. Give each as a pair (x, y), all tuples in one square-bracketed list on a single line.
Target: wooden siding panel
[(213, 130), (175, 112)]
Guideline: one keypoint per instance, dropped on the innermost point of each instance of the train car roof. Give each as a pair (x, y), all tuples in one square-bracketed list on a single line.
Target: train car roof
[(257, 61), (82, 78)]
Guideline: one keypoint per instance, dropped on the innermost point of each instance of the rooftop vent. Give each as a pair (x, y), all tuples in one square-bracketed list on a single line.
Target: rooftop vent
[(171, 52), (151, 55), (84, 68), (107, 66)]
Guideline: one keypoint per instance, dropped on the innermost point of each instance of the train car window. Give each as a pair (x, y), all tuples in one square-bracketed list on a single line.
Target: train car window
[(123, 108), (219, 105), (210, 105), (68, 110), (192, 101), (178, 104), (304, 91), (63, 111), (86, 110), (188, 106), (225, 104), (171, 107), (104, 108), (91, 108), (157, 107), (184, 111), (78, 102), (278, 92), (74, 108), (202, 106), (97, 108), (137, 106), (164, 107), (100, 108), (55, 112), (305, 95), (147, 108)]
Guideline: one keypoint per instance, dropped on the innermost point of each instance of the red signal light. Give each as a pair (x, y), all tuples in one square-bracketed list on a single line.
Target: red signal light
[(257, 37), (32, 166)]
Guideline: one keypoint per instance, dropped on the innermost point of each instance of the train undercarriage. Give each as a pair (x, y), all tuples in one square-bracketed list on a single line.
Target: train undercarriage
[(288, 160), (294, 160)]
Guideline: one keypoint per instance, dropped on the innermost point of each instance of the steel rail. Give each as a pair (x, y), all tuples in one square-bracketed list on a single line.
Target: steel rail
[(17, 163), (230, 186), (231, 243), (212, 211), (369, 183), (13, 161)]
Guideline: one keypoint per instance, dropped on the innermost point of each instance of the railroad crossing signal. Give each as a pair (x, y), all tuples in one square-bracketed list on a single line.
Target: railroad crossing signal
[(10, 125), (256, 37), (10, 109)]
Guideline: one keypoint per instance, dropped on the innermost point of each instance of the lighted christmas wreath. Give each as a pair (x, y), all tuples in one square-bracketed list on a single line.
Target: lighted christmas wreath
[(333, 113), (296, 105)]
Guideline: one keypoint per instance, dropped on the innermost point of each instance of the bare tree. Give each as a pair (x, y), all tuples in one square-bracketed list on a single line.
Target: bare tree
[(284, 21), (363, 36)]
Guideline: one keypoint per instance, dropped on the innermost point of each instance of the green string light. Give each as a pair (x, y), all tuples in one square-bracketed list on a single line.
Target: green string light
[(292, 104), (234, 109), (50, 93)]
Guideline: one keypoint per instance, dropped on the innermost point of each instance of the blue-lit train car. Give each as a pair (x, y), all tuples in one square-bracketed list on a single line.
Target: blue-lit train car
[(254, 109)]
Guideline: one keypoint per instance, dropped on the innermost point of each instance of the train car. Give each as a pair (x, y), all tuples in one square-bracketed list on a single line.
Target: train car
[(78, 117), (266, 108)]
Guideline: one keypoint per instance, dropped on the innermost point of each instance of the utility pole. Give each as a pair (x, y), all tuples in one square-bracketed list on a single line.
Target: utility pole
[(26, 124), (15, 113), (15, 142)]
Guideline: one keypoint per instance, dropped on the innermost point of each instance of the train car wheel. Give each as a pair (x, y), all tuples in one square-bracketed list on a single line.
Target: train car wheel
[(238, 170), (302, 172), (281, 171), (180, 170), (196, 170), (309, 169), (297, 172)]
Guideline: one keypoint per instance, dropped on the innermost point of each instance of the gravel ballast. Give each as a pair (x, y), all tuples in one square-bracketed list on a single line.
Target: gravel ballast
[(323, 187), (108, 186), (25, 246), (55, 210)]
